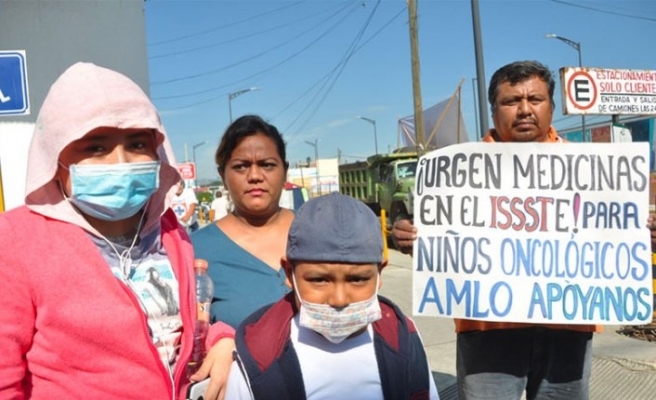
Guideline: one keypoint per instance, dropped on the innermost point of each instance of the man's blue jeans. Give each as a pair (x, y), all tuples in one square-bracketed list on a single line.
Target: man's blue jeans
[(501, 364)]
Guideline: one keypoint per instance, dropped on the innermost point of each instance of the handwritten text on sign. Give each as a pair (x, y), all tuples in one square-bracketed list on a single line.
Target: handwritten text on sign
[(530, 232)]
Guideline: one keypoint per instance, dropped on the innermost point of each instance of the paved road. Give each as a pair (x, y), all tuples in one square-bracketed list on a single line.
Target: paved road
[(622, 367)]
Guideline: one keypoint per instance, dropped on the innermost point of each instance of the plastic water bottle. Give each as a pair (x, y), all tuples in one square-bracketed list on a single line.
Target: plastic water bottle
[(204, 295)]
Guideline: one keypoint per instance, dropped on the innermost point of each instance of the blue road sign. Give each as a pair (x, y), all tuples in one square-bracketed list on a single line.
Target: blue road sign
[(14, 98)]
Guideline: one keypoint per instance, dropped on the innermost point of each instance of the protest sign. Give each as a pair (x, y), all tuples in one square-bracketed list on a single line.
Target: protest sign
[(534, 232)]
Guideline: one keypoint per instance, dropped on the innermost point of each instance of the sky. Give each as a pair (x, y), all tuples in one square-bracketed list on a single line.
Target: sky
[(316, 65)]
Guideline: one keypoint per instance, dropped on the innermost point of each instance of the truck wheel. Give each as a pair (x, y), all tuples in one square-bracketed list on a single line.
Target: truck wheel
[(396, 210), (375, 207)]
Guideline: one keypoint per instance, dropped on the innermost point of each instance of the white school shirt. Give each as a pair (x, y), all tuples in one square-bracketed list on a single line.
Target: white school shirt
[(346, 370)]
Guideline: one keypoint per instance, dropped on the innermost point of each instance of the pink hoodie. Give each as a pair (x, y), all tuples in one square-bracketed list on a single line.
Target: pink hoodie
[(68, 327)]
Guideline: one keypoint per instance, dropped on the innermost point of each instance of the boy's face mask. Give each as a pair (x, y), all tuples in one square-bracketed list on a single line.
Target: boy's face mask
[(113, 192), (337, 325)]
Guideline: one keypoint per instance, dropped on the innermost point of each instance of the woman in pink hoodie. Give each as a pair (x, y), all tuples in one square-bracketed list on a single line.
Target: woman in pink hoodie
[(80, 316)]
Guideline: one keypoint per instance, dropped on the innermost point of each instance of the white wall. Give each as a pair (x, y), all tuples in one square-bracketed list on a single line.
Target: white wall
[(14, 141), (55, 35)]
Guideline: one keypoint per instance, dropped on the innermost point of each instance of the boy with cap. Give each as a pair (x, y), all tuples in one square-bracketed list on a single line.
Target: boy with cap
[(332, 337)]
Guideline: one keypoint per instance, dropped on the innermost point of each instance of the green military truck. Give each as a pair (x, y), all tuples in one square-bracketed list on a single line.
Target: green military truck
[(383, 182)]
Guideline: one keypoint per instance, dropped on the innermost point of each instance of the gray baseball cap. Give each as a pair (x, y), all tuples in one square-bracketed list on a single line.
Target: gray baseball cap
[(335, 228)]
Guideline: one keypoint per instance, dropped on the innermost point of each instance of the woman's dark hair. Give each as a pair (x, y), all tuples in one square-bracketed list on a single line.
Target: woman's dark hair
[(516, 72), (245, 126)]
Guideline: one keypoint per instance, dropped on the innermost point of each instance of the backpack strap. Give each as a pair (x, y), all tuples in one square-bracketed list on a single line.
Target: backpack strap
[(277, 375), (402, 362)]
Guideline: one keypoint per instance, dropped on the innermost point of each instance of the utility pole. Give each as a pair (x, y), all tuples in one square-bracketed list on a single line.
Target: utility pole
[(478, 133), (315, 144), (416, 84), (480, 69)]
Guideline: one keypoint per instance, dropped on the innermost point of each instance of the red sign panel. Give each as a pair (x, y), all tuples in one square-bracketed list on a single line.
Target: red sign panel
[(187, 171)]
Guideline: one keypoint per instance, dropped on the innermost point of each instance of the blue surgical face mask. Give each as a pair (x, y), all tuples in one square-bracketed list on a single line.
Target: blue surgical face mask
[(113, 192)]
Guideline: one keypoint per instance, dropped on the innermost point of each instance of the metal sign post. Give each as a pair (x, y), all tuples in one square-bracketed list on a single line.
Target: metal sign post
[(620, 133)]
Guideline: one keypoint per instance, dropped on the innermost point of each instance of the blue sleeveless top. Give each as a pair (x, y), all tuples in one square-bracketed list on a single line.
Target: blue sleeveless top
[(242, 282)]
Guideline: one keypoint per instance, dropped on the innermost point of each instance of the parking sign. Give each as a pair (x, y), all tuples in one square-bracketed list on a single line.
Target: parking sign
[(14, 97)]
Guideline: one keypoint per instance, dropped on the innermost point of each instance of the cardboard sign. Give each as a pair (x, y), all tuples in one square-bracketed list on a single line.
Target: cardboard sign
[(534, 232)]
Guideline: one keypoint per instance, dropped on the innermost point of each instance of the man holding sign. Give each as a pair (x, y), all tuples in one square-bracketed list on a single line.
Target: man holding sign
[(514, 239)]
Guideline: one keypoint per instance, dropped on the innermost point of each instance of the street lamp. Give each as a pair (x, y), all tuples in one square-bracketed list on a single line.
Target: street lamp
[(577, 47), (234, 94), (372, 122), (193, 150), (315, 144)]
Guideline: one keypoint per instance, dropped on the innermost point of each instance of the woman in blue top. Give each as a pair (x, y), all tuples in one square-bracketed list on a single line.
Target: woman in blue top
[(244, 248)]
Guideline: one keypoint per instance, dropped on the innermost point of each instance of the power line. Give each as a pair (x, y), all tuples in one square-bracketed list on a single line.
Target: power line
[(603, 11), (242, 37), (248, 77), (344, 59), (296, 36), (339, 69), (191, 35), (299, 98)]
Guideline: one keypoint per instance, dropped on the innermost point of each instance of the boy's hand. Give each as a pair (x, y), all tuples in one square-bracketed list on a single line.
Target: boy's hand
[(404, 234)]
